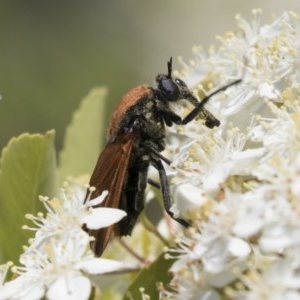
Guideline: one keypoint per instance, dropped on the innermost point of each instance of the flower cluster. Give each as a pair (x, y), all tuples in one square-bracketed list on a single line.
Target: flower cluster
[(240, 183), (58, 261)]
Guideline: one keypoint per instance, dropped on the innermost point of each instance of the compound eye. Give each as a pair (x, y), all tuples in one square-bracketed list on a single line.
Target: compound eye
[(170, 89)]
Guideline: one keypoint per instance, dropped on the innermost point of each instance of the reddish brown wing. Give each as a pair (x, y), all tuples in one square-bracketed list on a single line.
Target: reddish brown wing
[(110, 174)]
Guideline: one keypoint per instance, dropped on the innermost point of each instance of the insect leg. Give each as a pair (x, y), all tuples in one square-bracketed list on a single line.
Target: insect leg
[(154, 183), (158, 154), (193, 114), (164, 185), (166, 160)]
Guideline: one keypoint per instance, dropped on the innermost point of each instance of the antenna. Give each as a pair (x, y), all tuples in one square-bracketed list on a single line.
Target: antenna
[(170, 67)]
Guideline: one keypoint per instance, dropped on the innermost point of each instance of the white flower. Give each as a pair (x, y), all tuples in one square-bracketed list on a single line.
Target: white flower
[(68, 212), (204, 165), (60, 270), (211, 256), (58, 260), (280, 133)]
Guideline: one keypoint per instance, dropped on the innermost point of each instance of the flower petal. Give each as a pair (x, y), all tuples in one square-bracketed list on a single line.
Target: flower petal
[(71, 286), (103, 217), (239, 248), (102, 265), (187, 197), (22, 288)]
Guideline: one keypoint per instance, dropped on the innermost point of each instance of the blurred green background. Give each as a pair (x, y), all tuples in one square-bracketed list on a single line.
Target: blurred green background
[(54, 52)]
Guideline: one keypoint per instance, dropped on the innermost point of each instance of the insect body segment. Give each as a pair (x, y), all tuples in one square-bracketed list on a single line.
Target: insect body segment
[(128, 101), (136, 138)]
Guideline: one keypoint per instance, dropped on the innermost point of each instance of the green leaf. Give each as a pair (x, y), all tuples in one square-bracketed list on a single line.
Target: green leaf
[(84, 136), (28, 169), (149, 278)]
